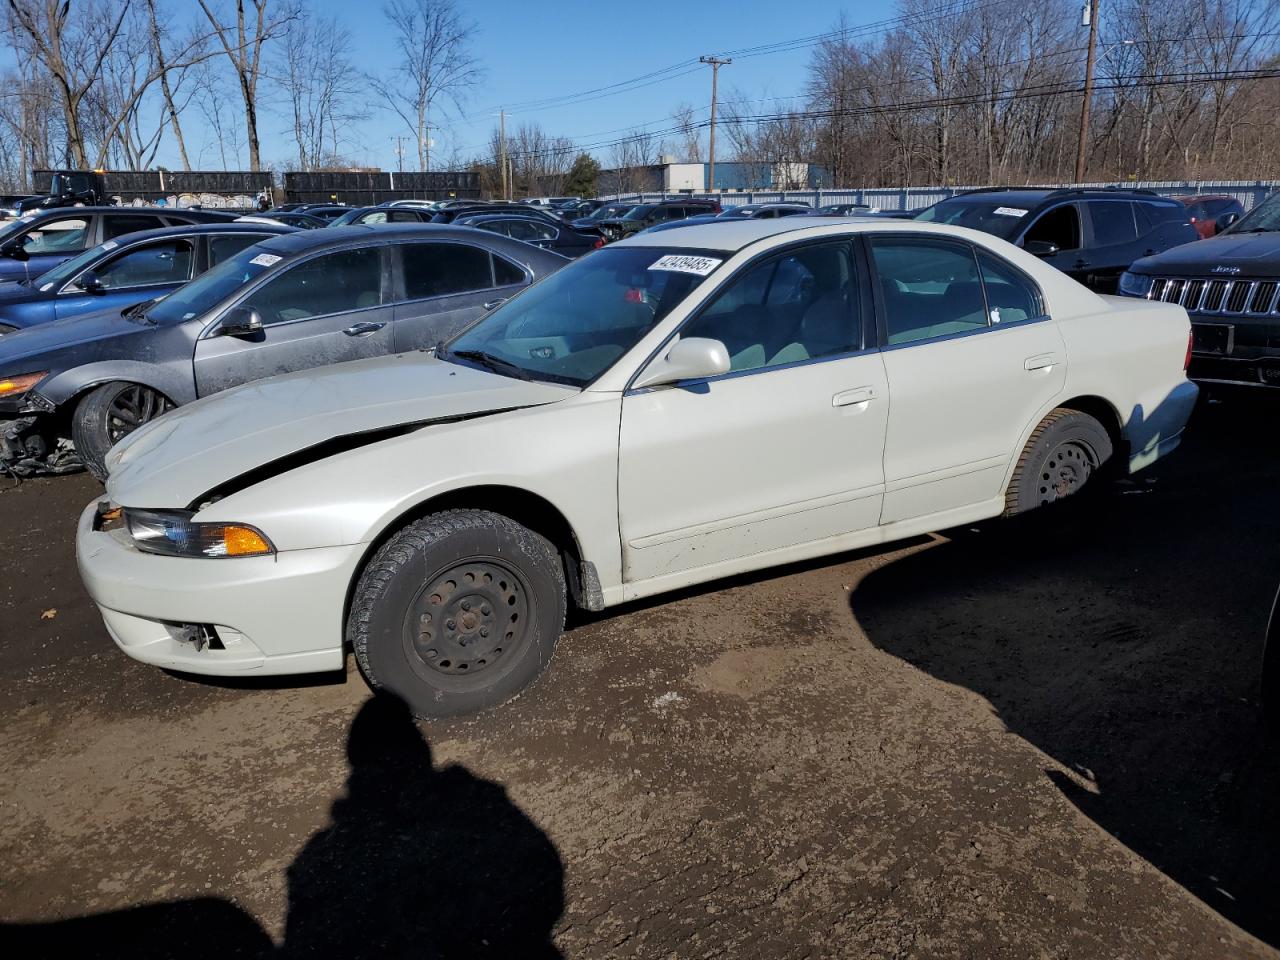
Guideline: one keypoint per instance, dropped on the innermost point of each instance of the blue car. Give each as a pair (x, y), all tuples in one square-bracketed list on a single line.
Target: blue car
[(37, 242), (120, 273)]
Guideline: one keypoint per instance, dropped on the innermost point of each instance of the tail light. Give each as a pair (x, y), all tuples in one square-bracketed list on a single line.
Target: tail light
[(1186, 364), (598, 244)]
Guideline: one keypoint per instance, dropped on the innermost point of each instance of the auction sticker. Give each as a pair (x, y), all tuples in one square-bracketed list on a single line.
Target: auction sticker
[(110, 245), (1010, 212), (265, 259), (677, 263)]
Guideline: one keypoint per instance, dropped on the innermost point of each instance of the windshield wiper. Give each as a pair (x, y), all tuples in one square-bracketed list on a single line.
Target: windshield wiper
[(490, 362), (136, 312)]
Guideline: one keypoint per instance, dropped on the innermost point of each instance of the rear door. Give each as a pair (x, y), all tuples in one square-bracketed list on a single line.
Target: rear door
[(1112, 244), (1060, 225), (326, 309), (443, 286), (971, 359)]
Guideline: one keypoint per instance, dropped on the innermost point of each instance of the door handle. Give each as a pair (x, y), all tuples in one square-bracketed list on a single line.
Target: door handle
[(364, 328), (496, 303), (1043, 361), (846, 398), (1081, 264)]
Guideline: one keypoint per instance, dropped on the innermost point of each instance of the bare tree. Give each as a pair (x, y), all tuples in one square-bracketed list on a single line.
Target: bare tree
[(168, 83), (436, 65), (688, 133), (242, 42), (322, 85)]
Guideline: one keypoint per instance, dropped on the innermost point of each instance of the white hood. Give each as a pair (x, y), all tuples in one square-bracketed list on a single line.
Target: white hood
[(189, 451)]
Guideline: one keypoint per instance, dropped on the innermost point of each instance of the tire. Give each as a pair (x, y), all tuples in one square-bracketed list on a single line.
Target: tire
[(1063, 453), (107, 414), (447, 650)]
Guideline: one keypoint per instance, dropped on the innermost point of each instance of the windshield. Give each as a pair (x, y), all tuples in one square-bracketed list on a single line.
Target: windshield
[(737, 213), (610, 210), (989, 216), (1263, 218), (350, 217), (69, 268), (575, 324), (212, 287)]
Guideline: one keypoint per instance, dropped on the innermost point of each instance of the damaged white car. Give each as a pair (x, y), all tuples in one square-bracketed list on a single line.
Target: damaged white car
[(668, 410)]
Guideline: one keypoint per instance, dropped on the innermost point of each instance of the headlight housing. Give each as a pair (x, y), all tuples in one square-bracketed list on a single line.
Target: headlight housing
[(16, 386), (1135, 284), (173, 533)]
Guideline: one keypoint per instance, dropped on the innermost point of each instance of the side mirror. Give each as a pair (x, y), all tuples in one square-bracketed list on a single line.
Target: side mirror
[(90, 282), (1040, 248), (14, 250), (240, 322), (1227, 219), (689, 359)]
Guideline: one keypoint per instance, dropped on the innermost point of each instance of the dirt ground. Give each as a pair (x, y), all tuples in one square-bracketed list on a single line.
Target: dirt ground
[(1031, 739)]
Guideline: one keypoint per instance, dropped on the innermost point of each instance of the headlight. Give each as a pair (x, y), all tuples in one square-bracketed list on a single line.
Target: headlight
[(1135, 284), (14, 386), (174, 534)]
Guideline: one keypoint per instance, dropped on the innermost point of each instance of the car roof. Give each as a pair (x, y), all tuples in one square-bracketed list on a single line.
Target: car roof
[(187, 229), (301, 241), (734, 235), (103, 208)]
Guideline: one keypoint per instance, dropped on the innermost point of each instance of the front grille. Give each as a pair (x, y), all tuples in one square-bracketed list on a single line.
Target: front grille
[(1259, 298)]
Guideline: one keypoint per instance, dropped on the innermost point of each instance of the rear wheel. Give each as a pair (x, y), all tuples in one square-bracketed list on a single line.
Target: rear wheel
[(107, 415), (458, 612), (1063, 454)]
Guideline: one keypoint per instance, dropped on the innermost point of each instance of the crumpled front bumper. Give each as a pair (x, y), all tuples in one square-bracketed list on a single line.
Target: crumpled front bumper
[(277, 614)]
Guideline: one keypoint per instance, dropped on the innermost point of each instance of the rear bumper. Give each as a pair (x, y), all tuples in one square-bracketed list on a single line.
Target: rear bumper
[(271, 615), (1156, 432)]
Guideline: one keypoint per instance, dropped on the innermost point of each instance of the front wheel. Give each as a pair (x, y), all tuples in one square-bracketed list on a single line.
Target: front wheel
[(107, 415), (458, 612), (1062, 455)]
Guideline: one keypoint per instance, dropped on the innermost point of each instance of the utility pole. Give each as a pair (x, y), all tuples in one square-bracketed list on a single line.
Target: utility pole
[(502, 150), (399, 142), (716, 64), (1091, 16)]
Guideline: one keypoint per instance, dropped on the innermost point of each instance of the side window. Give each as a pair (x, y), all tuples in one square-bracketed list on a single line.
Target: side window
[(114, 226), (440, 269), (929, 288), (375, 217), (1010, 296), (520, 229), (229, 244), (331, 283), (506, 273), (155, 263), (1060, 226), (56, 236), (1112, 222), (799, 306), (399, 216), (540, 231), (1145, 218)]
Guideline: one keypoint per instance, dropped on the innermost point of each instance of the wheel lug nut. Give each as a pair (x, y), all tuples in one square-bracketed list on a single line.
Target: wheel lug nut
[(484, 631), (450, 624), (466, 604), (485, 610)]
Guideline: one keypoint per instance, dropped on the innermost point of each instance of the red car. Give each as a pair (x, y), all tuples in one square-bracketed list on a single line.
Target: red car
[(1211, 214)]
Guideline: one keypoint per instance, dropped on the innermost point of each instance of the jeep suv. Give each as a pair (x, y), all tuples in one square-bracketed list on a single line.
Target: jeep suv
[(1091, 235), (1230, 285), (647, 214)]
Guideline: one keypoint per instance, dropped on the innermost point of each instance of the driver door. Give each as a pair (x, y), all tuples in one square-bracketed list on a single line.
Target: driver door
[(324, 310)]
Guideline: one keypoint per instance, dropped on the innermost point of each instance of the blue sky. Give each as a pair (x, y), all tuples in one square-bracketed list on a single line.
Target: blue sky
[(532, 51)]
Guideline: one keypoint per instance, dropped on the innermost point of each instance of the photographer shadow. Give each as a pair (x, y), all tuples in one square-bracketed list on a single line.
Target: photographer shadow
[(416, 861)]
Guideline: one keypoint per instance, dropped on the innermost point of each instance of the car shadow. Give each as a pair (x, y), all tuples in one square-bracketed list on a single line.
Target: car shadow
[(417, 860), (1122, 635)]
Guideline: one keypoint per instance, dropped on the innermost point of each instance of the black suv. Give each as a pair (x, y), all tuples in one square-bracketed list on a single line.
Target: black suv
[(1230, 285), (1091, 235), (645, 215)]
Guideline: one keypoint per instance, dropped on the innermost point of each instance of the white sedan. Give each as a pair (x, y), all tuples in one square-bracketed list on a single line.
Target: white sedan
[(668, 410)]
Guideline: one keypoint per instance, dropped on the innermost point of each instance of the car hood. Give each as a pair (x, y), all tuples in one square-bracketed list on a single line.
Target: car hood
[(190, 451), (44, 338), (1227, 255)]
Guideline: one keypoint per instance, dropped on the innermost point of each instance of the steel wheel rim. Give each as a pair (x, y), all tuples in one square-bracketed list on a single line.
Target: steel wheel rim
[(1066, 469), (130, 408), (469, 623)]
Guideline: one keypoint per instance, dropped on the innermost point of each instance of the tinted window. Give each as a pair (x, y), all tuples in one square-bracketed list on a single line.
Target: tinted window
[(1060, 226), (155, 263), (379, 216), (1112, 222), (790, 308), (1010, 296), (228, 245), (506, 273), (331, 283), (400, 216), (114, 226), (528, 230), (928, 288), (57, 236), (1146, 218), (439, 269)]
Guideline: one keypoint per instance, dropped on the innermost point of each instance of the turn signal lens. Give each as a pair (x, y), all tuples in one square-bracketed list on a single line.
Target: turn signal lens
[(244, 542), (173, 533), (21, 383)]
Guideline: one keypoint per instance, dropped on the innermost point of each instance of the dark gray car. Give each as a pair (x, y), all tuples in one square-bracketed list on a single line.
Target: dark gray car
[(289, 303)]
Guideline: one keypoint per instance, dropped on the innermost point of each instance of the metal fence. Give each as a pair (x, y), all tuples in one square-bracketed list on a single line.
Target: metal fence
[(368, 188), (1249, 192)]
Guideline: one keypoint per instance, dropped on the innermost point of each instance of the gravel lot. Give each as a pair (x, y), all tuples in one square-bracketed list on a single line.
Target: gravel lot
[(1030, 739)]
